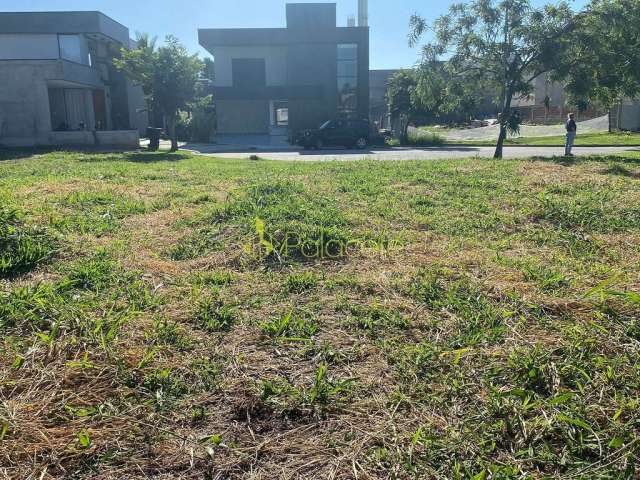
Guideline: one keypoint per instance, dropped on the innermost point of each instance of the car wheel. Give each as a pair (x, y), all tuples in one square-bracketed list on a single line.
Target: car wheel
[(361, 143), (319, 144)]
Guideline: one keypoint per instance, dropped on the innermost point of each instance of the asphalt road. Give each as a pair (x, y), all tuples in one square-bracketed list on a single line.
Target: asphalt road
[(411, 153)]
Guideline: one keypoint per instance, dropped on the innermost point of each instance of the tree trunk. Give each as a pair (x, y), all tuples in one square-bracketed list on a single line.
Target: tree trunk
[(500, 144), (172, 133), (504, 118), (405, 132)]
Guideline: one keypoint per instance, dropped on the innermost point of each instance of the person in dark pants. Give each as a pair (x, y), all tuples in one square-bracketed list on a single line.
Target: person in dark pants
[(572, 130)]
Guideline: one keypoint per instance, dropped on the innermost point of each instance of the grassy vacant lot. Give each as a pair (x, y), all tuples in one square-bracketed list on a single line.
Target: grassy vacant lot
[(433, 136), (585, 139), (168, 316)]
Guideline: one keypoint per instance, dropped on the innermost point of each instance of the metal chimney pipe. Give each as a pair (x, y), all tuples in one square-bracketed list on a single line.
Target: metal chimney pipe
[(363, 13)]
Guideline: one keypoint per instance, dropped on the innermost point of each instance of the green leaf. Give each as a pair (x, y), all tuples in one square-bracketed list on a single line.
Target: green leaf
[(562, 398), (84, 439), (574, 421), (18, 362), (3, 431), (616, 442)]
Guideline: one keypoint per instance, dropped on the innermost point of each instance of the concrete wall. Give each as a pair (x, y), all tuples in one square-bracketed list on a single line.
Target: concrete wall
[(243, 116), (311, 16), (63, 22), (24, 100), (118, 138), (627, 115), (275, 62), (28, 47), (138, 115)]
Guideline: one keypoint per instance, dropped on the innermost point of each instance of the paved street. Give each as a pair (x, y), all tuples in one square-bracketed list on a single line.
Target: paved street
[(406, 153)]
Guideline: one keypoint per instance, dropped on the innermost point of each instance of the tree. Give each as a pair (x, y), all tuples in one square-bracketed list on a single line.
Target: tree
[(605, 66), (442, 98), (499, 46), (169, 74), (138, 65), (401, 101)]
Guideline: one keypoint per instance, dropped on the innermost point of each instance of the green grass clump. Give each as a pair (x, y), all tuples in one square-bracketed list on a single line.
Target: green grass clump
[(290, 325), (95, 273), (22, 246), (200, 242), (287, 221), (592, 210), (376, 318), (300, 282), (94, 212), (212, 314), (166, 332), (324, 392), (474, 316), (214, 279), (32, 308)]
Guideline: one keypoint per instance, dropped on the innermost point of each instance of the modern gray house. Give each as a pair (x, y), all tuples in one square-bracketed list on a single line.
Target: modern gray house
[(277, 81), (58, 85)]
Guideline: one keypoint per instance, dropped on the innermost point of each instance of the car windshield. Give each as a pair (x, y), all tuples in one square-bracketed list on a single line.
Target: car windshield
[(325, 125)]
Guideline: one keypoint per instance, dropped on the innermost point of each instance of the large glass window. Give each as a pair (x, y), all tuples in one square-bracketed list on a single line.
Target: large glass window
[(72, 49), (347, 77)]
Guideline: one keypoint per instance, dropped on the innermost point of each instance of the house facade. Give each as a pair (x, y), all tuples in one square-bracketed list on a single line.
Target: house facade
[(58, 85), (278, 81)]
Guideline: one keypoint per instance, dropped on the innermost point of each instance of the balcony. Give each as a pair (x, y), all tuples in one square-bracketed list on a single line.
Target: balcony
[(83, 74)]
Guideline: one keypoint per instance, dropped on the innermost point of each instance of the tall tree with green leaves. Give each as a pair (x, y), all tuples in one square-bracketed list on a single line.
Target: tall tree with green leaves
[(605, 66), (499, 46), (402, 103), (138, 65), (168, 73)]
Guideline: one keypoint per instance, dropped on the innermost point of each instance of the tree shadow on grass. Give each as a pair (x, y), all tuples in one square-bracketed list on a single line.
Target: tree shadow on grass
[(96, 155), (570, 161), (151, 157), (621, 171), (20, 153), (135, 157)]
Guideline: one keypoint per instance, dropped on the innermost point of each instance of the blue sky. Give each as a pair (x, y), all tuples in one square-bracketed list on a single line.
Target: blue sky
[(388, 19)]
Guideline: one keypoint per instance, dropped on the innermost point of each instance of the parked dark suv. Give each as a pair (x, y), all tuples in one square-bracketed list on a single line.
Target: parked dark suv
[(344, 133)]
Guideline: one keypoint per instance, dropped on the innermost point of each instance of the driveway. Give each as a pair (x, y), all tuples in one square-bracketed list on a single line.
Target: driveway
[(399, 153)]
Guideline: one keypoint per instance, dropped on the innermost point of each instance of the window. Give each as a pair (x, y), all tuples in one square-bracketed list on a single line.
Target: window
[(248, 72), (69, 109), (347, 77), (279, 113), (72, 49)]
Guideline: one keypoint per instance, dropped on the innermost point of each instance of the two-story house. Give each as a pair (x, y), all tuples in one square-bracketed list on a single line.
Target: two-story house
[(277, 81), (58, 84)]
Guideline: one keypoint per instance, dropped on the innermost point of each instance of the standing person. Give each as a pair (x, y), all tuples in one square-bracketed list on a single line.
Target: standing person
[(572, 130)]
